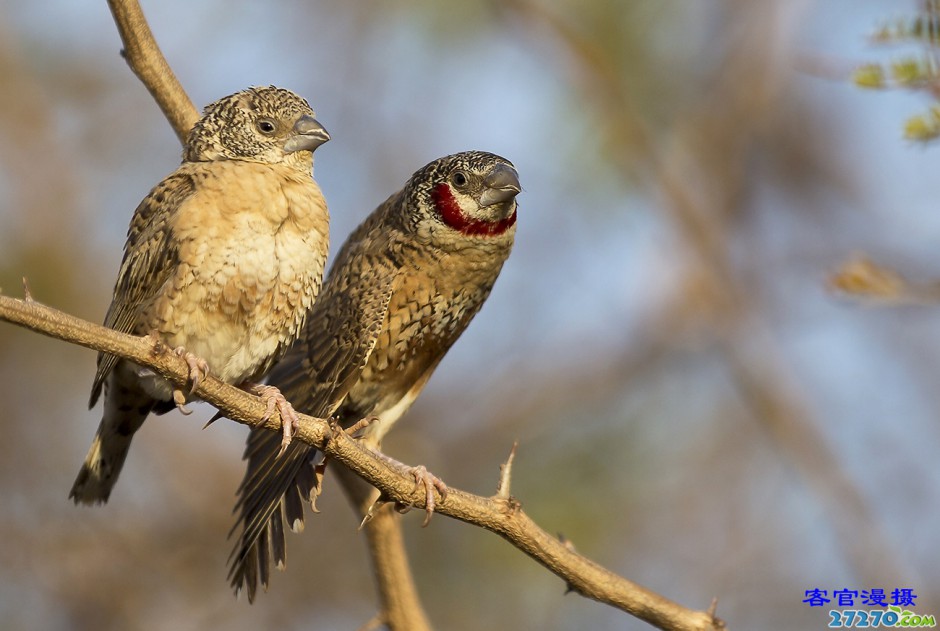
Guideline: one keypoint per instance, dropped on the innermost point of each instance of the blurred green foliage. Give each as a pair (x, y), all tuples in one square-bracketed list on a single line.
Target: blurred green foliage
[(916, 73)]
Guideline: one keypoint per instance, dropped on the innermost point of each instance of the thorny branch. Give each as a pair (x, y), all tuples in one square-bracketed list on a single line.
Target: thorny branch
[(502, 516)]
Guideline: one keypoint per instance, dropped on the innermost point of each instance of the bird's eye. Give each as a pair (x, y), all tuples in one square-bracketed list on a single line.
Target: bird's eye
[(266, 126), (459, 178)]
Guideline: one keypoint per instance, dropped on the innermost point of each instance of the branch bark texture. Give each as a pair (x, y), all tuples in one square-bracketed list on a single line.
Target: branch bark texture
[(501, 513)]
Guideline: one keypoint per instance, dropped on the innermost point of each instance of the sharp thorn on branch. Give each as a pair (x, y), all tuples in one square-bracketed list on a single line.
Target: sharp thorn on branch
[(505, 474), (214, 418), (713, 609), (27, 294)]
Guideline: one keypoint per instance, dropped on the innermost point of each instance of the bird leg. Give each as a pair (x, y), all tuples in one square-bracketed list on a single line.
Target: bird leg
[(421, 476), (273, 398)]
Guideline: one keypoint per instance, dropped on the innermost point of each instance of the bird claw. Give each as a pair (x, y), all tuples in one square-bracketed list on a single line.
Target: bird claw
[(431, 482), (273, 398), (421, 476), (198, 368), (369, 514), (179, 399)]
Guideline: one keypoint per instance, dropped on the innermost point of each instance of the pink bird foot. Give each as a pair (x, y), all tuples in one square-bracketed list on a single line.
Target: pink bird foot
[(198, 367), (421, 476), (198, 370), (273, 398)]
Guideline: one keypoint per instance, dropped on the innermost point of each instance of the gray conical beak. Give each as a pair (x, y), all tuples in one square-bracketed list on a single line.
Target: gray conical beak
[(308, 135), (501, 185)]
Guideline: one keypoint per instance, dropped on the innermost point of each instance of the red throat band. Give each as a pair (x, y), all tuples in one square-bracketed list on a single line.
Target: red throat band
[(449, 210)]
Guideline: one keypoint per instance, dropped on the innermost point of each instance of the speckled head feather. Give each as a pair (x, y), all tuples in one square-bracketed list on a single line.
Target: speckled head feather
[(472, 193), (269, 125)]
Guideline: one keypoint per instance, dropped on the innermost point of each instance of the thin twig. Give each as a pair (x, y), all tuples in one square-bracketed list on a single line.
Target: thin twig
[(148, 63), (504, 518)]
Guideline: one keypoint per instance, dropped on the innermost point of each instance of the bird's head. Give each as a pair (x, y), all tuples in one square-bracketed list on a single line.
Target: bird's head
[(470, 194), (270, 125)]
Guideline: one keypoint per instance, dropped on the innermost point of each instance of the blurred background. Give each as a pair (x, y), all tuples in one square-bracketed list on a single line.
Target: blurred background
[(696, 410)]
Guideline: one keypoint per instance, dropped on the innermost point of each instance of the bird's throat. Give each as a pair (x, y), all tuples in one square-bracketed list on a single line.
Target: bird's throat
[(452, 215)]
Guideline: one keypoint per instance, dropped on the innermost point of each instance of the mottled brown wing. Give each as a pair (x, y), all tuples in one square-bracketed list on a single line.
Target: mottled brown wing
[(150, 255), (315, 377)]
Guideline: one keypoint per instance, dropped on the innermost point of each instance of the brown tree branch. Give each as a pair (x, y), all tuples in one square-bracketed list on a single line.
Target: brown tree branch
[(399, 601), (243, 407), (148, 63), (503, 516)]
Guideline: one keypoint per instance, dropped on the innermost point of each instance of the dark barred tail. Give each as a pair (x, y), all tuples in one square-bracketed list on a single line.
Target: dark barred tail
[(271, 500), (125, 410)]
